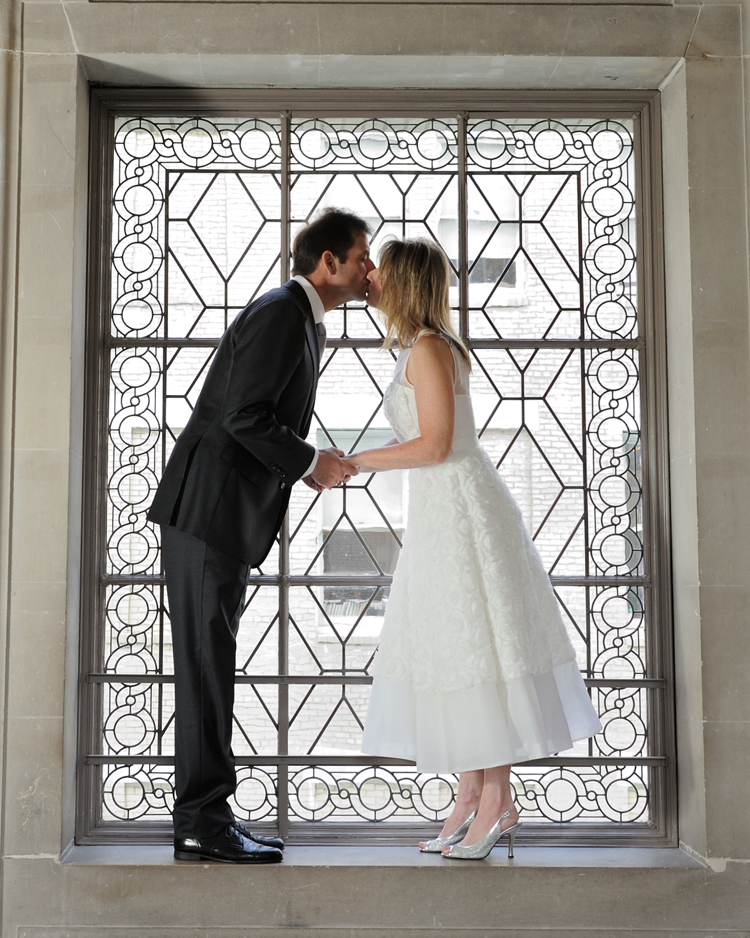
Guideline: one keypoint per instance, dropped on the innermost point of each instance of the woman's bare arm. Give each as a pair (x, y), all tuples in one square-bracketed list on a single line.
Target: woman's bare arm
[(430, 370)]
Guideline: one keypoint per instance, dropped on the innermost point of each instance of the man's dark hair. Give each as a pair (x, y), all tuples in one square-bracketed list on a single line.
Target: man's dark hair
[(333, 230)]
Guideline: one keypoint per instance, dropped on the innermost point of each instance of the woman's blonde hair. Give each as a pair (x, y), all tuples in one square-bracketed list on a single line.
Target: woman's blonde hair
[(414, 279)]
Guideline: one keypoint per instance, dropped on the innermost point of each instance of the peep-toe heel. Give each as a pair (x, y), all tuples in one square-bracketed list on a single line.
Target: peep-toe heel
[(436, 845), (484, 845)]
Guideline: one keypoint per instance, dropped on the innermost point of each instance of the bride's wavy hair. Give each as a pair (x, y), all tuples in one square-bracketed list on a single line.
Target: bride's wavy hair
[(414, 279)]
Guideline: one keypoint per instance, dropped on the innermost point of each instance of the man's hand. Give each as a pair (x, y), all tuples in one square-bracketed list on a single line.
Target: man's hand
[(331, 468), (311, 483)]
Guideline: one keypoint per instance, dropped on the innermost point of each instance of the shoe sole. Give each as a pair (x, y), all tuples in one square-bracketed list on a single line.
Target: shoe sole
[(202, 857)]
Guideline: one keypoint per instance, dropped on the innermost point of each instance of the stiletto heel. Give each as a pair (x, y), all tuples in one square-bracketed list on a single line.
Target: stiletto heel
[(436, 845), (482, 847), (511, 832)]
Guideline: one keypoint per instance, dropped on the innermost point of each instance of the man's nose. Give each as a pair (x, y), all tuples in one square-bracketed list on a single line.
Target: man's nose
[(369, 265)]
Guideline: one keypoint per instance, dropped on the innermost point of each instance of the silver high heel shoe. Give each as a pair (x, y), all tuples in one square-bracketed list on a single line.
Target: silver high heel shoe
[(482, 848), (436, 845)]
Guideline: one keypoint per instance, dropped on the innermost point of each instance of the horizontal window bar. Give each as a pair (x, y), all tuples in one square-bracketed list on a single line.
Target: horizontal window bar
[(357, 760), (112, 678), (346, 342), (301, 580), (555, 343), (649, 682)]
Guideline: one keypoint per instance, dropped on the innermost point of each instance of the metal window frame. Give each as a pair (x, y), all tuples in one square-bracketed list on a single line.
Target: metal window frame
[(644, 108)]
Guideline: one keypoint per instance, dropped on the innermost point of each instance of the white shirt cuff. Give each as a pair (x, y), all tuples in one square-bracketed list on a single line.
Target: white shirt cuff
[(312, 465)]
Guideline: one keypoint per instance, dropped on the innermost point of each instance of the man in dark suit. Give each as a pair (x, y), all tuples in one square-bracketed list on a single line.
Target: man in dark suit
[(220, 505)]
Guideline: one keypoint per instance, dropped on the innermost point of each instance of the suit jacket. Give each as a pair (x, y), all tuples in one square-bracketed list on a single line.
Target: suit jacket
[(229, 477)]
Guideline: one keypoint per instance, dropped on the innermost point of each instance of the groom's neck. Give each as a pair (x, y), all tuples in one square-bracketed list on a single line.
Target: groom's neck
[(330, 295)]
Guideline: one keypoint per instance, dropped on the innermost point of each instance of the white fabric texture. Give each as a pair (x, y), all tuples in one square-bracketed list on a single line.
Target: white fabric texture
[(475, 668)]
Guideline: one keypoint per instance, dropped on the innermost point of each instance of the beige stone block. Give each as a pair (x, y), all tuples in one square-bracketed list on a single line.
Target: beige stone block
[(8, 39), (725, 640), (43, 375), (688, 674), (49, 69), (727, 747), (596, 72), (684, 515), (208, 28), (718, 31), (625, 30), (34, 893), (37, 649), (691, 785), (722, 386), (715, 122), (408, 29), (518, 30), (46, 288), (373, 899), (110, 896), (40, 515), (33, 785), (49, 127), (377, 71), (680, 391), (45, 29), (718, 254), (688, 650), (724, 520)]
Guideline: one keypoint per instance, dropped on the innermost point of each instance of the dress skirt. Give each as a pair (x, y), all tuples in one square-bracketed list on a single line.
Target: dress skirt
[(475, 668)]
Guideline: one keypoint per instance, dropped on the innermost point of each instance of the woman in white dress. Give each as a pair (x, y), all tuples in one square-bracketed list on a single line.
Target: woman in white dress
[(475, 670)]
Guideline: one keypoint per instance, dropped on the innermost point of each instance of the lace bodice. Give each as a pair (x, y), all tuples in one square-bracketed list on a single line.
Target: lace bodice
[(470, 596), (401, 407)]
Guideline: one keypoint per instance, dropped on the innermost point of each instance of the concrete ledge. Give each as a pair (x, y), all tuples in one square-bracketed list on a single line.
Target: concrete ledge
[(377, 892), (260, 931), (328, 856)]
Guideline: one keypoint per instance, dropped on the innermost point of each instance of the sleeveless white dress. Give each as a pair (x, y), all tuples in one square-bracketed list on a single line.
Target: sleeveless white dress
[(474, 668)]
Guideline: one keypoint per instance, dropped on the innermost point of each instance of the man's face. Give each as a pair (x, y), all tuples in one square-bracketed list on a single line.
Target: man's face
[(351, 276)]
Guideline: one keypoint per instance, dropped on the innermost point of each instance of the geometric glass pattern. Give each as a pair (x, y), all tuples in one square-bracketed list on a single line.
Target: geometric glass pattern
[(538, 218)]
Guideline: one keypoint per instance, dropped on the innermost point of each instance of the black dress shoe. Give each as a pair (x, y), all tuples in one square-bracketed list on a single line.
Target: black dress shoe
[(265, 841), (230, 846)]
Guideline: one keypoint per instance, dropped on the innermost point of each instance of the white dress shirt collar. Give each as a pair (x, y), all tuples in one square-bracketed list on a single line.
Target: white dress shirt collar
[(318, 310)]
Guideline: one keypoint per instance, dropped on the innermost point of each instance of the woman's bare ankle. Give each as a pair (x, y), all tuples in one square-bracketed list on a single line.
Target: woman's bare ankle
[(468, 802), (462, 809)]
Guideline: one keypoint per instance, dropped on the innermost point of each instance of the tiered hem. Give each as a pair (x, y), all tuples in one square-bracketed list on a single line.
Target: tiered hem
[(487, 725)]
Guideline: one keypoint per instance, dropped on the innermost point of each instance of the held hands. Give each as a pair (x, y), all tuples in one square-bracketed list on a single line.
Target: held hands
[(331, 469)]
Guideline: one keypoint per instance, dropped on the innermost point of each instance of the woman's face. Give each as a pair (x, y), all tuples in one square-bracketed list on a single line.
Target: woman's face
[(375, 288)]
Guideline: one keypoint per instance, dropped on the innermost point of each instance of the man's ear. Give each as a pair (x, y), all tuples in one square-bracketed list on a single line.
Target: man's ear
[(328, 261)]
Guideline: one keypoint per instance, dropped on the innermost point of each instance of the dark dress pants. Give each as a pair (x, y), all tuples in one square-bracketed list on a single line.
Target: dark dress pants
[(206, 590)]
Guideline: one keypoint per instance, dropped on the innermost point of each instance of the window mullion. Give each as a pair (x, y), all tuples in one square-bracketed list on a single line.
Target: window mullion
[(283, 691), (463, 229)]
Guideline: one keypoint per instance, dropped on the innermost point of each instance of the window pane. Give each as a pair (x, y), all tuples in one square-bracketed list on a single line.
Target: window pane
[(548, 257)]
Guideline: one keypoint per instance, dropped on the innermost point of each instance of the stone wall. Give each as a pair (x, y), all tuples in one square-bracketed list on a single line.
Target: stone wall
[(693, 52)]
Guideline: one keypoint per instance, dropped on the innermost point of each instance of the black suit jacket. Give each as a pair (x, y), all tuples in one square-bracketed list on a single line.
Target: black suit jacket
[(228, 479)]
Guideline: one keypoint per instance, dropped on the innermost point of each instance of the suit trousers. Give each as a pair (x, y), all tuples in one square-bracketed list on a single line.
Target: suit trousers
[(206, 590)]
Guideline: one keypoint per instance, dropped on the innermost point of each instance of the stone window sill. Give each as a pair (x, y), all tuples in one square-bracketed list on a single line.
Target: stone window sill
[(352, 856)]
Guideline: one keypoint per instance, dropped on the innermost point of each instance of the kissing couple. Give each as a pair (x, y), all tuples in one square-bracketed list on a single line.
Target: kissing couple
[(475, 670)]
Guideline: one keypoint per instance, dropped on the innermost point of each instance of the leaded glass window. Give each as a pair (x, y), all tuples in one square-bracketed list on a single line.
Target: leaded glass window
[(545, 219)]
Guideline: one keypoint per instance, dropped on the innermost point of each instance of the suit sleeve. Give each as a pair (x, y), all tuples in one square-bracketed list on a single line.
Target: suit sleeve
[(269, 347)]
